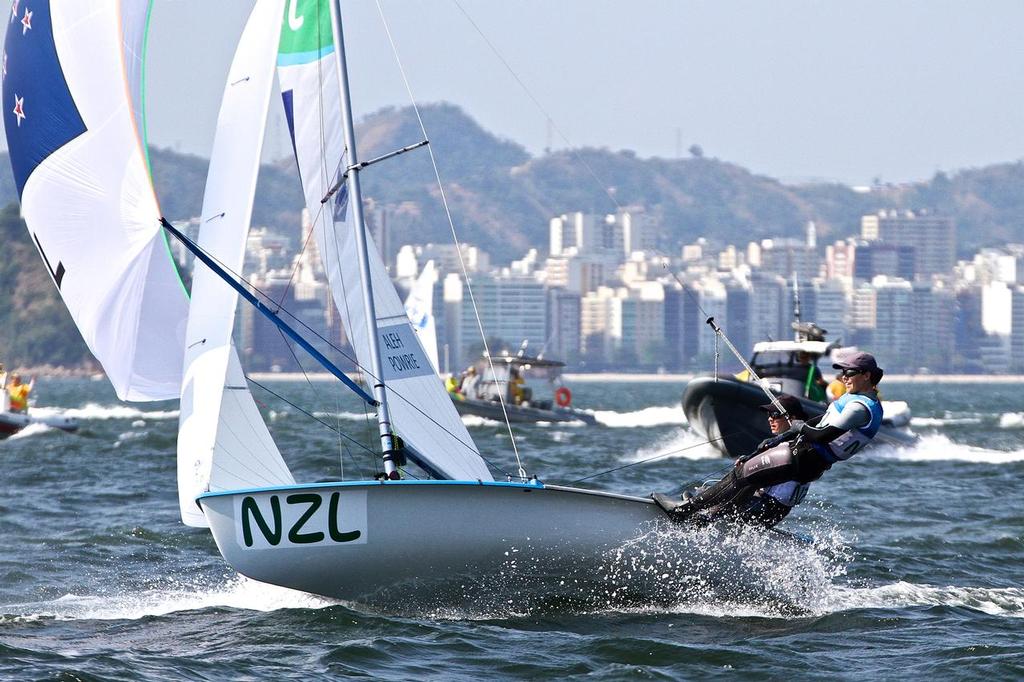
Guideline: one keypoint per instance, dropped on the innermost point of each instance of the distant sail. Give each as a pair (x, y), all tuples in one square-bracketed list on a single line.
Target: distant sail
[(72, 97), (421, 411), (419, 306), (223, 442)]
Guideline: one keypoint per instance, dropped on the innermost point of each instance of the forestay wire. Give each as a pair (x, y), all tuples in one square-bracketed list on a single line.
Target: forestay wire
[(455, 236)]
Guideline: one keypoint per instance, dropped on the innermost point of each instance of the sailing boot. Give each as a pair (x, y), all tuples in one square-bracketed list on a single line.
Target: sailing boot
[(670, 504)]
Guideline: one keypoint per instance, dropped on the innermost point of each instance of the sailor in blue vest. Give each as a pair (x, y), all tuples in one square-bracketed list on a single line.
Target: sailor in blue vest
[(847, 426)]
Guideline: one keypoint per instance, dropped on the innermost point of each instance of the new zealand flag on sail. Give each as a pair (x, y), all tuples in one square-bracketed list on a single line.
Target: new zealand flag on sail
[(40, 115)]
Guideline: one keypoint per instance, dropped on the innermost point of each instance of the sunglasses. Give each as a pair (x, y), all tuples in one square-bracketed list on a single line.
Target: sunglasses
[(847, 373), (775, 415)]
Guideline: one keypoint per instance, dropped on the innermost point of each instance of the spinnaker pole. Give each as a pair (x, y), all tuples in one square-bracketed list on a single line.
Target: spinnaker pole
[(387, 440)]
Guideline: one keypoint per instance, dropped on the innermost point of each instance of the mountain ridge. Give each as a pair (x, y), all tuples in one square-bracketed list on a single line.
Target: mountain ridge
[(502, 198)]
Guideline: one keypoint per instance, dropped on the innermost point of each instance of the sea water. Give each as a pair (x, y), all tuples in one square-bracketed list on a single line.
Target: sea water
[(909, 567)]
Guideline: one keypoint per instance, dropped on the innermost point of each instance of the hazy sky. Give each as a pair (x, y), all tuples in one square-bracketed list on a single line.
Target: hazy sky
[(846, 91)]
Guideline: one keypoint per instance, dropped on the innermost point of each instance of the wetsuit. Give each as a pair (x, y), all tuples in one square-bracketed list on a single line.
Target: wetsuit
[(848, 425), (769, 506)]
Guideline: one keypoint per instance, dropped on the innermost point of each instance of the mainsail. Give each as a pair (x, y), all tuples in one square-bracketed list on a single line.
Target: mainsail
[(223, 442), (72, 95), (421, 412)]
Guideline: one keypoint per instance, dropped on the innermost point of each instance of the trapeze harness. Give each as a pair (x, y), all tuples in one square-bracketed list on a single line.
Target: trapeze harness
[(806, 461)]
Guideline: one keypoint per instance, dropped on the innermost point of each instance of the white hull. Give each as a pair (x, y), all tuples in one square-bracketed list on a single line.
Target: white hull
[(12, 422), (421, 537)]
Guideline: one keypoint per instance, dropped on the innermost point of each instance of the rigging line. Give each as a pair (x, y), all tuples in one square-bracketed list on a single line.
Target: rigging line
[(295, 267), (251, 421), (685, 288), (455, 236), (316, 394), (363, 370), (576, 156), (313, 417), (651, 459)]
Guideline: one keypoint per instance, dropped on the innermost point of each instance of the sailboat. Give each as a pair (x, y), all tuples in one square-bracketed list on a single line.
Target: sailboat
[(368, 540)]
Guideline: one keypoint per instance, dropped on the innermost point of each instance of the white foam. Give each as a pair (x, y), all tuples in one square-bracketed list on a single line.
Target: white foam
[(649, 416), (684, 444), (91, 411), (998, 601), (1011, 420), (938, 448), (473, 420), (30, 430), (237, 592), (348, 416), (944, 421)]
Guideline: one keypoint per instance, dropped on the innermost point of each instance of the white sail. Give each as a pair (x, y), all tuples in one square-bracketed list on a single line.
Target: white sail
[(223, 442), (72, 95), (421, 412), (419, 306)]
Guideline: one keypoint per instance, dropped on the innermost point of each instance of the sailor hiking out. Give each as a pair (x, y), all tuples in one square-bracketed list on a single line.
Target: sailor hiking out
[(803, 452)]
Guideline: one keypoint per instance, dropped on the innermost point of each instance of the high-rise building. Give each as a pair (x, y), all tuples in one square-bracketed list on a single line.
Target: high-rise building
[(932, 238), (786, 257), (881, 258), (840, 259), (771, 309), (512, 310), (933, 306), (832, 303), (893, 340), (563, 338), (683, 325), (1017, 330)]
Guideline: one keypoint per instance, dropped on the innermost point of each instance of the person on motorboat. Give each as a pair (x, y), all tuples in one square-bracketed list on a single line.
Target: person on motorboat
[(469, 382), (812, 447), (814, 384), (836, 388), (18, 393), (516, 388)]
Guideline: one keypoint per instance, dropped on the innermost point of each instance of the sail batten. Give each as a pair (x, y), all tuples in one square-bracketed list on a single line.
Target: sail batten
[(425, 418)]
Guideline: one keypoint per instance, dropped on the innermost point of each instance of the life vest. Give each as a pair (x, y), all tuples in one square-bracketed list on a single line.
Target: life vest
[(19, 397), (848, 444)]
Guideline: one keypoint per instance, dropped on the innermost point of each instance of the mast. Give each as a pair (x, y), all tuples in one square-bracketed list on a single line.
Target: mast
[(796, 308), (387, 441)]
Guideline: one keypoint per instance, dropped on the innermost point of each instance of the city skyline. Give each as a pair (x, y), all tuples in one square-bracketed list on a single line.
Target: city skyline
[(605, 295)]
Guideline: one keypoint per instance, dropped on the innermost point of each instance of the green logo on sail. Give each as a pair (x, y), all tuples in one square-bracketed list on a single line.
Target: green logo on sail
[(305, 32)]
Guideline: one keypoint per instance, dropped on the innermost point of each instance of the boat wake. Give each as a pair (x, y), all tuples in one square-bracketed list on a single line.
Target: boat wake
[(670, 415), (31, 430), (96, 411), (683, 444), (939, 448), (998, 601), (236, 592), (948, 420), (1011, 420)]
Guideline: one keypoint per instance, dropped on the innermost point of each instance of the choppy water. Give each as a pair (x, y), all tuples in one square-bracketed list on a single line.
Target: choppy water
[(915, 569)]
